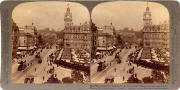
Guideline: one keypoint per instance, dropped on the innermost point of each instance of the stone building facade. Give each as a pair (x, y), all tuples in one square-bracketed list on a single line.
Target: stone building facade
[(27, 38), (105, 41), (76, 36), (15, 38), (154, 36), (106, 38)]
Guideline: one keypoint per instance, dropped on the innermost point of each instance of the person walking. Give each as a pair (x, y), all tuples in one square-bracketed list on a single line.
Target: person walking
[(114, 69), (123, 78), (43, 78), (135, 75)]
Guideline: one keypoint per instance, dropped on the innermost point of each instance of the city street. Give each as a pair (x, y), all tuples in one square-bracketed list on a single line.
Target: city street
[(120, 71), (38, 71)]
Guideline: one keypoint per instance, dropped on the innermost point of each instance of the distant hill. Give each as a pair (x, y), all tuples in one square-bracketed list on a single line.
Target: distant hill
[(50, 36)]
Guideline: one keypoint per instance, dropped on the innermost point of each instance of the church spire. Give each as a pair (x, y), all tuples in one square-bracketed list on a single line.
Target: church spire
[(147, 16), (68, 17)]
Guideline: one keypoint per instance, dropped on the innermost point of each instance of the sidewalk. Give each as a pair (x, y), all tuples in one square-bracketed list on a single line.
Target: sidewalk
[(14, 67)]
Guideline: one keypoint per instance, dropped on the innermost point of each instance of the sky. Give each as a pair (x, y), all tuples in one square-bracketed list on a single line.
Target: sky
[(48, 14), (128, 14)]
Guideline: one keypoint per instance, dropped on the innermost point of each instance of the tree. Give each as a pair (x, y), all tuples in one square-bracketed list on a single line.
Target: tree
[(46, 29), (60, 34), (139, 34), (126, 29), (52, 30)]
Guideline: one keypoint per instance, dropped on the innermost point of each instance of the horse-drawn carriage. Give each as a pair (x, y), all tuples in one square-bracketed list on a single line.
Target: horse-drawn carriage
[(38, 58), (29, 78), (21, 66), (101, 66), (118, 58), (109, 79)]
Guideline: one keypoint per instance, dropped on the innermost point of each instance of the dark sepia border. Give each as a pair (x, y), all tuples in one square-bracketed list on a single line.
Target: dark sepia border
[(174, 11)]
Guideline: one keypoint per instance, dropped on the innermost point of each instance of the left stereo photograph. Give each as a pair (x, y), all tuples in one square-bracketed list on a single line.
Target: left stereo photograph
[(50, 43)]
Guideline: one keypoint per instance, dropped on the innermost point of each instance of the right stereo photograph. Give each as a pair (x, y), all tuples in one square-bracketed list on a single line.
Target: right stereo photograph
[(130, 43)]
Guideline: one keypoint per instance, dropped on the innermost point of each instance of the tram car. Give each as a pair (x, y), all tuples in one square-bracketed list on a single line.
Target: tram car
[(21, 66), (118, 58), (38, 58)]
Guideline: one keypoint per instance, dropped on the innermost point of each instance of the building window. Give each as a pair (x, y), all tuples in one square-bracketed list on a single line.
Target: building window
[(68, 45)]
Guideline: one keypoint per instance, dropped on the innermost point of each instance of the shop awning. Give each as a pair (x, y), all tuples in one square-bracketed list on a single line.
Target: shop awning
[(114, 46), (22, 48), (97, 53), (101, 48), (104, 48), (18, 52)]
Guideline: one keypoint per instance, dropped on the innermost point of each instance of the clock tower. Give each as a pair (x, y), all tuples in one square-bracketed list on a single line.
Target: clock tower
[(68, 17), (147, 17)]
